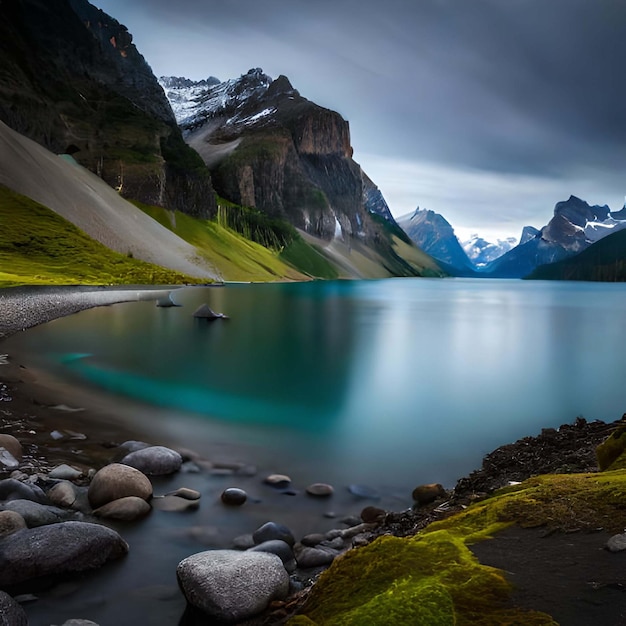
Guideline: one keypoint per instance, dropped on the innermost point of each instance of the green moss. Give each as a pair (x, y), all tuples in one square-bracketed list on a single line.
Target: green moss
[(611, 453), (37, 246), (427, 579), (558, 501)]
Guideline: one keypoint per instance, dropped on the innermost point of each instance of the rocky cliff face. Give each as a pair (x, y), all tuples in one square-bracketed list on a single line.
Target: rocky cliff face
[(73, 81), (270, 148), (433, 233)]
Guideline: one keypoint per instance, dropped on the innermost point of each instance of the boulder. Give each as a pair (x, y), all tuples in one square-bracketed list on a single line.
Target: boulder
[(11, 613), (11, 445), (154, 461), (57, 549), (118, 481), (272, 530), (232, 586), (124, 509)]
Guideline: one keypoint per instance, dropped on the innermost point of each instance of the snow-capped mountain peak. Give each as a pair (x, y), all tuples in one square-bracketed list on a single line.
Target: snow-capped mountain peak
[(480, 251)]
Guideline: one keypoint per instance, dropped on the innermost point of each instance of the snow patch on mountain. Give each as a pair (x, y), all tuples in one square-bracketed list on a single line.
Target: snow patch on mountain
[(480, 251)]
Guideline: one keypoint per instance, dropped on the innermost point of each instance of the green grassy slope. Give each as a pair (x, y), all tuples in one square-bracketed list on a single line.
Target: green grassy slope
[(233, 255), (37, 246)]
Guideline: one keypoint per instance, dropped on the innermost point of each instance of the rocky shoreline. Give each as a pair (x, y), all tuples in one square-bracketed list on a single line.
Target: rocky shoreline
[(45, 486)]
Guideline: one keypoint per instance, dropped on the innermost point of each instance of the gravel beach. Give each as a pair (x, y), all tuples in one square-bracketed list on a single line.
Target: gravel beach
[(24, 307)]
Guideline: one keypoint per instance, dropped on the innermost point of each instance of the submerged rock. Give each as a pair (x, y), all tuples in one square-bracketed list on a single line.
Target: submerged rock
[(125, 509), (204, 311), (320, 490), (232, 586)]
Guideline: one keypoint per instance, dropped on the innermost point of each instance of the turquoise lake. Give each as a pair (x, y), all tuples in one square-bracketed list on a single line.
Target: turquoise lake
[(383, 384), (390, 382)]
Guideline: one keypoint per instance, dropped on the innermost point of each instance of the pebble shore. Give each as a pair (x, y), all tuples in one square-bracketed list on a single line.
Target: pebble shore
[(25, 307)]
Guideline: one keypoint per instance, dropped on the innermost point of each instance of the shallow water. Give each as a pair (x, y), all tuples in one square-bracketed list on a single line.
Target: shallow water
[(381, 383)]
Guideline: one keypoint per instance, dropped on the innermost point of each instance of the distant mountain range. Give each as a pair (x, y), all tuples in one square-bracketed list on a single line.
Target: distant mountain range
[(575, 227)]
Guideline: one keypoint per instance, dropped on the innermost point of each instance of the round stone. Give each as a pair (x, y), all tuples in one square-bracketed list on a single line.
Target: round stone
[(234, 496), (10, 521), (278, 481), (154, 461), (373, 514), (124, 509), (320, 490), (425, 494), (272, 530), (118, 481)]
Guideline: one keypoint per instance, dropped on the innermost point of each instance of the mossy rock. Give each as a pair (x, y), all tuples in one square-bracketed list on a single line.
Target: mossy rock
[(430, 579), (611, 453)]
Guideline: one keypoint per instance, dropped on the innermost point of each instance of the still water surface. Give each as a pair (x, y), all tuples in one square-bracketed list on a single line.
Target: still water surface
[(386, 383)]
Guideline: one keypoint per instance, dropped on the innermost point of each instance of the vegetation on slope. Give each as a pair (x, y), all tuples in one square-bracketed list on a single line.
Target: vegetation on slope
[(37, 246), (432, 577), (605, 260), (237, 257)]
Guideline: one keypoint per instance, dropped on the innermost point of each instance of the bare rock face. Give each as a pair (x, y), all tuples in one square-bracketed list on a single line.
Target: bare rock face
[(57, 549), (118, 481), (232, 586)]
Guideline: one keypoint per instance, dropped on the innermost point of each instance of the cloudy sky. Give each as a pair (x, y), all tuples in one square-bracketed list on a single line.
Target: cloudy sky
[(487, 111)]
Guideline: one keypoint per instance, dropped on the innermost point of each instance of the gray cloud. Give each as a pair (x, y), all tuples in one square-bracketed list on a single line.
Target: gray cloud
[(518, 89)]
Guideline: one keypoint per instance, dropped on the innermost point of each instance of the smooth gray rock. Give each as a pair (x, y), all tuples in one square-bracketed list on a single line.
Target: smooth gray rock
[(36, 514), (185, 493), (272, 530), (10, 521), (125, 509), (617, 543), (118, 481), (11, 489), (154, 461), (243, 542), (308, 557), (57, 549), (11, 613), (320, 490), (65, 472), (132, 445), (232, 586), (277, 547)]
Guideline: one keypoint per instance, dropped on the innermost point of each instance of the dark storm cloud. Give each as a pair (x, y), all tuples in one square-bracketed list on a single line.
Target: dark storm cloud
[(516, 87)]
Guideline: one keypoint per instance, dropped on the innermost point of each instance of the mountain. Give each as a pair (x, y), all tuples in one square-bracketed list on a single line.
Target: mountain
[(272, 150), (528, 233), (604, 260), (574, 227), (480, 251), (73, 81), (432, 233)]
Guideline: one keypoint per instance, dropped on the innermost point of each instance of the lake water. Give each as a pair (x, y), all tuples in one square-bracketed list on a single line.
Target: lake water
[(386, 384)]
